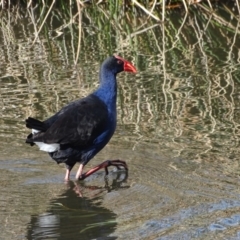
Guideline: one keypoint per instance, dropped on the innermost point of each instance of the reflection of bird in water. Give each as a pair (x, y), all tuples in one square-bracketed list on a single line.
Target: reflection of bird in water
[(73, 217), (82, 128)]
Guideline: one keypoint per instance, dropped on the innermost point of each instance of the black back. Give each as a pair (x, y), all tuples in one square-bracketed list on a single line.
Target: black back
[(77, 124)]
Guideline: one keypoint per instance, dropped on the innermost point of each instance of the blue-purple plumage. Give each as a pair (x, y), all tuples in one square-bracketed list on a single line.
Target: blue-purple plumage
[(82, 128)]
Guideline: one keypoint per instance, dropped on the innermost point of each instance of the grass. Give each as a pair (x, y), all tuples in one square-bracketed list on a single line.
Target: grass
[(73, 11)]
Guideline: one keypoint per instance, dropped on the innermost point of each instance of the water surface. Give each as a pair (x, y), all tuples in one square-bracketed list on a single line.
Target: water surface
[(178, 128)]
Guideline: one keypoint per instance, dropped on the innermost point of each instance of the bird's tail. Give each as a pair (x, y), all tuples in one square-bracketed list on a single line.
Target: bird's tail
[(33, 123)]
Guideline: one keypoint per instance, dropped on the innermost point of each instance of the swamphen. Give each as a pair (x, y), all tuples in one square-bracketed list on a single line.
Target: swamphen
[(82, 128)]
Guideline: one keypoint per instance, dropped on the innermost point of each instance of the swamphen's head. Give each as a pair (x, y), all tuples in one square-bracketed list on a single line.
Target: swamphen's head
[(116, 64)]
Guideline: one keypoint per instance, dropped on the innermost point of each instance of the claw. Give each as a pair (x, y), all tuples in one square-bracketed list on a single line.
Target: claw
[(105, 165)]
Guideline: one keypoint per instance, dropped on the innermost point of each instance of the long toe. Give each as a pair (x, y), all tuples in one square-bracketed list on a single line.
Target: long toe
[(105, 165)]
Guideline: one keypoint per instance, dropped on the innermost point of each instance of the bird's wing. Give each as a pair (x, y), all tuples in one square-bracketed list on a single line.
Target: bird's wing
[(77, 124)]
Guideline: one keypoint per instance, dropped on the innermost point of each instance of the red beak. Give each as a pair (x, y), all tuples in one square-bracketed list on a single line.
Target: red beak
[(127, 66)]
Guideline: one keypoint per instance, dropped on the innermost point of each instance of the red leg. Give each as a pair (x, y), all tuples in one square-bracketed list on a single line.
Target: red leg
[(67, 175), (105, 165)]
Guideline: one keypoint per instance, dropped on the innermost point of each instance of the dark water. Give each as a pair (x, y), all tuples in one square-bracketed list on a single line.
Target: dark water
[(178, 126)]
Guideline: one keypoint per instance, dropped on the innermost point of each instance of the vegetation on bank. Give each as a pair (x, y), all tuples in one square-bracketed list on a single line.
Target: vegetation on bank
[(157, 11)]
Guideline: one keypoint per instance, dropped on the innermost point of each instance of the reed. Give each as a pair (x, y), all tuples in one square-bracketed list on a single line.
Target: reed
[(156, 9), (73, 11)]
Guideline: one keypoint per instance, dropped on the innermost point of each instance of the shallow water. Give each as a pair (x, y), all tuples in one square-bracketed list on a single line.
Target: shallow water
[(178, 129)]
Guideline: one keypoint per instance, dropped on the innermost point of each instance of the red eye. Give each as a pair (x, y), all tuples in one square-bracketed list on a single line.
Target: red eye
[(119, 62)]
